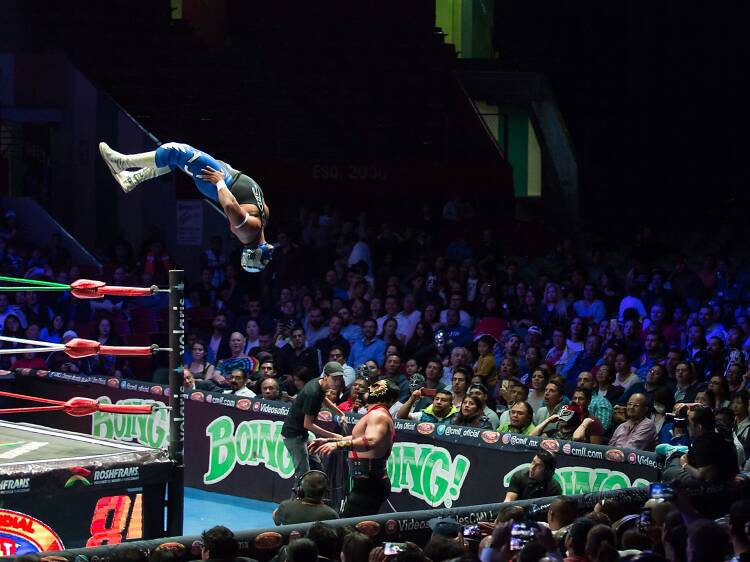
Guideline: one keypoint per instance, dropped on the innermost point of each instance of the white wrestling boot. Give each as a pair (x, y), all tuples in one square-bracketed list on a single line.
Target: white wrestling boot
[(129, 180), (118, 163)]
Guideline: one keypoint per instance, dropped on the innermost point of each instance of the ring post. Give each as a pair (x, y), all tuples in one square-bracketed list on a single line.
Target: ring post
[(175, 487)]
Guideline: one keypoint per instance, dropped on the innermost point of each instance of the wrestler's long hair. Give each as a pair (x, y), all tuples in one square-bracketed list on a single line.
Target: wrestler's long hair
[(384, 391)]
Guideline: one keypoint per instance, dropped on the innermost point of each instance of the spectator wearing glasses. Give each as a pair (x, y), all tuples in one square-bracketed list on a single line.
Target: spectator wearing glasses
[(638, 431)]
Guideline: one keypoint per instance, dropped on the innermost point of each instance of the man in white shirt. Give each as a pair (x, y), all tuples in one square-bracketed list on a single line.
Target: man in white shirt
[(238, 384), (408, 317), (455, 302)]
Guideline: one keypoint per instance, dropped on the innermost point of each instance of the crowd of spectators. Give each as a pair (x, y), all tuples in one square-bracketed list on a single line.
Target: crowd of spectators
[(637, 349)]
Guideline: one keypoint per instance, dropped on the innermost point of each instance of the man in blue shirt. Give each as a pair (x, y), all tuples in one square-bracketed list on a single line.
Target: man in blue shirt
[(369, 347), (455, 333)]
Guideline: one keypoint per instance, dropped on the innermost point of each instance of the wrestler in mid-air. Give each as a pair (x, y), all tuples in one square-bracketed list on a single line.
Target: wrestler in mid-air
[(239, 195)]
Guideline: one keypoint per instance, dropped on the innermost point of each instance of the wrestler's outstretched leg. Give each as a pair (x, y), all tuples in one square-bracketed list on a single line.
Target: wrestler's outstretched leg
[(167, 157)]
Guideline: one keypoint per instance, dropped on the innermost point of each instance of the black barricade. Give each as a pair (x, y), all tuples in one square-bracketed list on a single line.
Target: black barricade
[(262, 544)]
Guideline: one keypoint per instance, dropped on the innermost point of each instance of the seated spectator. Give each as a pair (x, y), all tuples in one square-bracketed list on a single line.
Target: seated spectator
[(302, 550), (712, 457), (539, 380), (707, 542), (269, 390), (686, 387), (601, 544), (583, 360), (625, 377), (741, 419), (520, 420), (485, 366), (441, 411), (739, 521), (638, 432), (369, 346), (553, 401), (605, 386), (575, 541), (567, 425), (238, 384), (218, 543), (536, 482), (591, 429), (199, 366), (326, 539), (356, 547), (471, 415), (480, 392), (656, 377), (561, 513), (60, 361), (599, 406), (356, 400), (308, 505), (339, 355), (54, 332)]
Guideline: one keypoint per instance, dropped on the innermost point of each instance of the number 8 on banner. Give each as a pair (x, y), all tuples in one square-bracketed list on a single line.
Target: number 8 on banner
[(110, 520)]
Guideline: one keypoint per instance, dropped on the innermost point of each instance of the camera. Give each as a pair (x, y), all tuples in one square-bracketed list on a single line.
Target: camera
[(661, 491), (471, 531), (679, 419), (391, 548), (521, 534)]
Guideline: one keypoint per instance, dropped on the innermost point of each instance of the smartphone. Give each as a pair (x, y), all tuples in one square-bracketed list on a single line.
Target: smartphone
[(645, 520), (429, 391), (391, 548), (661, 491), (521, 534), (470, 531)]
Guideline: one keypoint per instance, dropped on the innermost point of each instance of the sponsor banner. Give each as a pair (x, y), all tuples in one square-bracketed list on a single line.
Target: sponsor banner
[(234, 446), (241, 452)]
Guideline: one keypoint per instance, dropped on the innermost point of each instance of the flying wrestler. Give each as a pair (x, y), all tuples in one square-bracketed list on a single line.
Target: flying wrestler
[(369, 447), (239, 195)]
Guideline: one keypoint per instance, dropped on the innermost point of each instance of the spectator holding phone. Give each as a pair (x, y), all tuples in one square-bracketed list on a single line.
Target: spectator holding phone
[(441, 411)]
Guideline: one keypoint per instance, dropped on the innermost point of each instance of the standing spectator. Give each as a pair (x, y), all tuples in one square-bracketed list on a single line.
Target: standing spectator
[(638, 432)]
